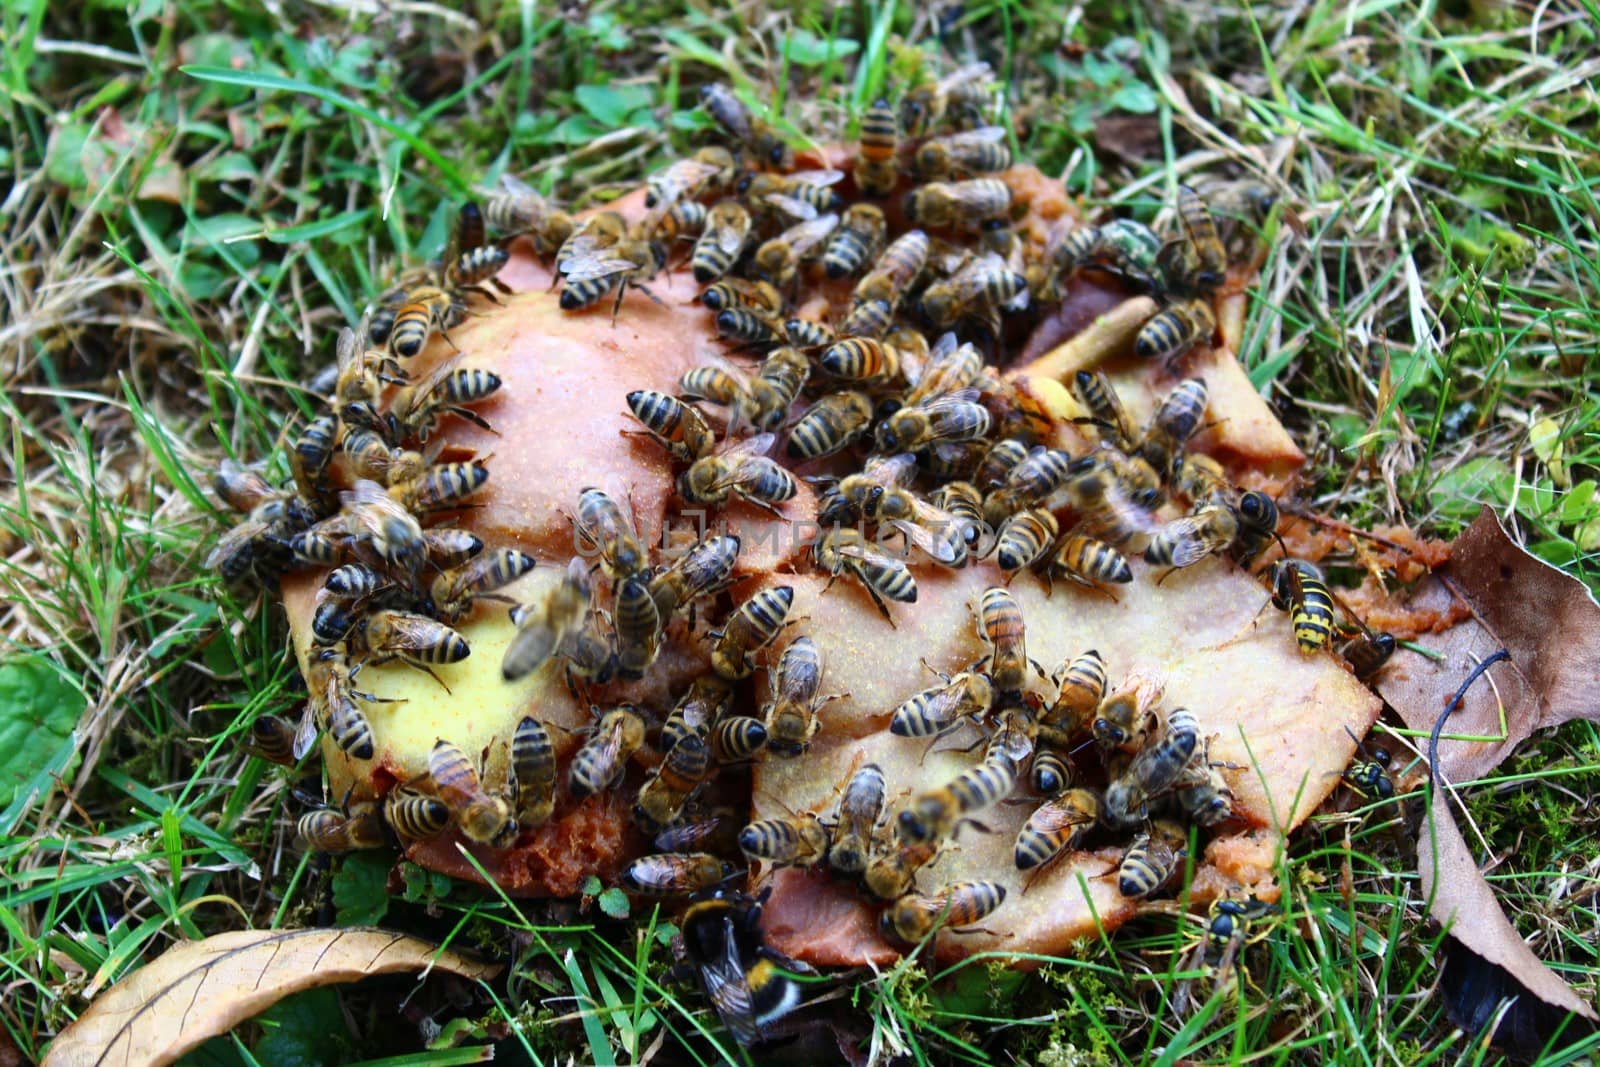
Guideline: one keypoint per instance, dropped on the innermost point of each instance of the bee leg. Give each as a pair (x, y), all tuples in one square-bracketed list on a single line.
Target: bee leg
[(762, 504), (474, 418), (425, 669), (883, 608)]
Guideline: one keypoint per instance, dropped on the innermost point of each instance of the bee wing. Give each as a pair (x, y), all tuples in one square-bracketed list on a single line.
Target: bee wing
[(953, 399), (895, 471), (595, 265), (732, 238), (517, 187), (817, 177), (937, 541), (305, 734), (1189, 542), (981, 135), (348, 349), (961, 76), (791, 206), (230, 542), (805, 236), (729, 991)]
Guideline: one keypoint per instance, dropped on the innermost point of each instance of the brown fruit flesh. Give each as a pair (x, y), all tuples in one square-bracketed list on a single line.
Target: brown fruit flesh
[(560, 423)]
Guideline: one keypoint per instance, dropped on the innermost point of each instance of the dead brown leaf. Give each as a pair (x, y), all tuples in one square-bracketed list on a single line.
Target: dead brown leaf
[(1551, 626), (1132, 138), (200, 989)]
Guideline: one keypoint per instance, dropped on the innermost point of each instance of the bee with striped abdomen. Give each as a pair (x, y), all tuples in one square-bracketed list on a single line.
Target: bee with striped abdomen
[(860, 236), (447, 390), (638, 627), (332, 831), (747, 982), (778, 260), (830, 425), (981, 288), (602, 524), (953, 417), (545, 625), (1024, 539), (860, 808), (702, 570), (533, 773), (1152, 859), (961, 205), (883, 576), (743, 470), (1175, 329), (750, 628), (602, 760), (415, 816), (721, 242), (787, 841), (489, 818), (1056, 826), (961, 155), (673, 782), (965, 93), (441, 487), (877, 170), (737, 739), (964, 696), (791, 717), (691, 178), (912, 919), (933, 814), (805, 194), (1175, 421), (673, 873), (417, 640), (675, 424)]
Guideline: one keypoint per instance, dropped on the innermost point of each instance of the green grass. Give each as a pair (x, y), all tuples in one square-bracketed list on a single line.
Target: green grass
[(196, 194)]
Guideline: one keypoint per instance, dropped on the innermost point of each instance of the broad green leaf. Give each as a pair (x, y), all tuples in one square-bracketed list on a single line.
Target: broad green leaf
[(1459, 492), (360, 888), (39, 708), (610, 105), (1578, 505), (614, 902), (1136, 97), (302, 1030)]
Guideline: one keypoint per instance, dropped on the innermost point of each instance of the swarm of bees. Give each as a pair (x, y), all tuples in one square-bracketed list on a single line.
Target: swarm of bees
[(923, 452)]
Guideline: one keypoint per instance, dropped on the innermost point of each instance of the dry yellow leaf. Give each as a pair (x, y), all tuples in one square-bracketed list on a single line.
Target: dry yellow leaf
[(200, 989)]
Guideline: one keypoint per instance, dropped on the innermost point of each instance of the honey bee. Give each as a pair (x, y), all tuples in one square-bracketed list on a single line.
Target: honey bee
[(415, 816), (638, 626), (672, 783), (860, 807), (1024, 538), (750, 628), (950, 367), (331, 682), (1152, 859), (803, 333), (913, 919), (759, 138), (518, 209), (939, 534), (1173, 424), (1201, 480), (777, 383), (272, 739), (830, 425), (870, 318), (965, 92), (1089, 562), (860, 359), (802, 195), (627, 263), (378, 520), (967, 695), (891, 871), (999, 460), (447, 390), (598, 232), (1013, 739), (760, 297), (369, 456), (331, 831), (860, 235), (602, 760), (1155, 768), (743, 470), (895, 270), (686, 219), (717, 831), (953, 417), (934, 814), (672, 873), (448, 547), (745, 980), (690, 178), (1298, 588), (1125, 719), (737, 738), (876, 171), (475, 266), (791, 717), (883, 576), (421, 311), (788, 841), (485, 817), (545, 625), (1081, 686), (1093, 390), (964, 504), (359, 380), (1175, 329), (1257, 515), (963, 205), (1187, 540), (1058, 825), (701, 570), (441, 487), (309, 459), (742, 324), (1102, 493), (677, 425), (252, 549), (720, 244), (1209, 265), (704, 703), (963, 154), (416, 640), (778, 260), (601, 523), (857, 495), (1002, 628), (1049, 773), (533, 773), (1038, 474)]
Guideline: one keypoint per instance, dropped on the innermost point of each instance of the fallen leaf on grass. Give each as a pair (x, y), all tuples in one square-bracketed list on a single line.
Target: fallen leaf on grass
[(1551, 626), (204, 988)]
